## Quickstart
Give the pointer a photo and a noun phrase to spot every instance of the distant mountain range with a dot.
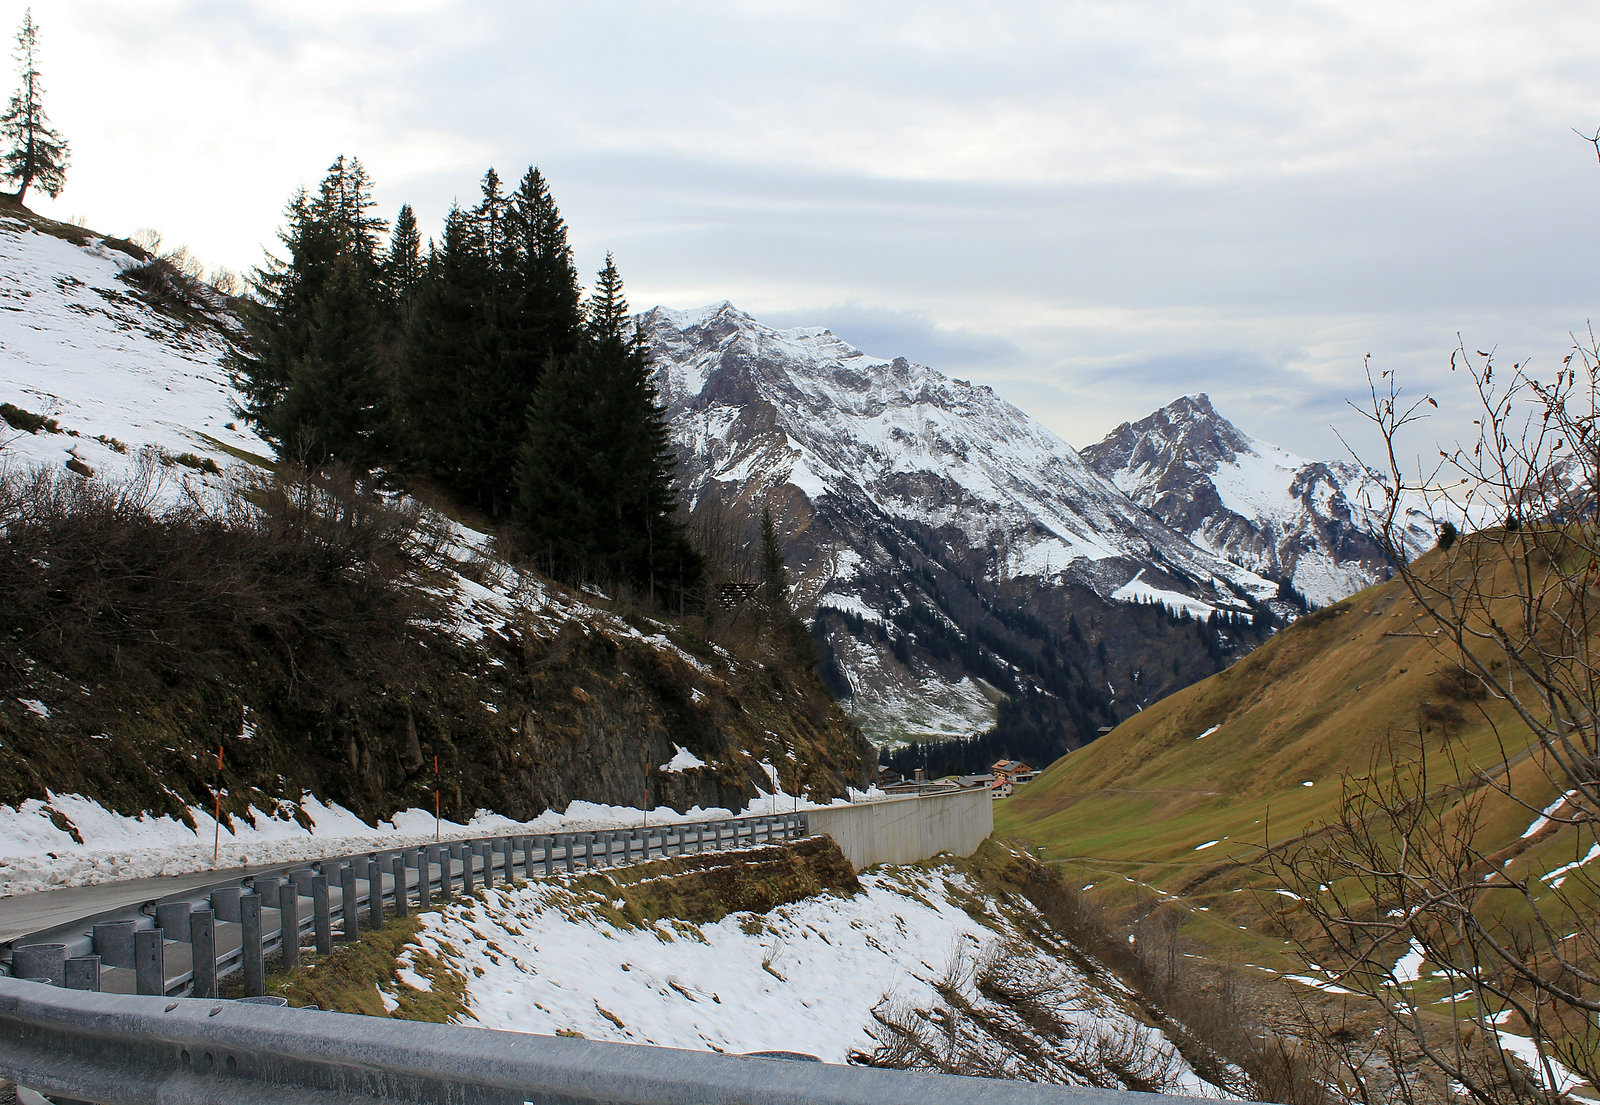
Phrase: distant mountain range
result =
(1305, 521)
(964, 566)
(961, 563)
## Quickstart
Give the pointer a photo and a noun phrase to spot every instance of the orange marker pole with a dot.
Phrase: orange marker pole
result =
(436, 798)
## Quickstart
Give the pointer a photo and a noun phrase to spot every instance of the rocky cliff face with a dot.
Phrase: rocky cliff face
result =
(955, 554)
(1240, 498)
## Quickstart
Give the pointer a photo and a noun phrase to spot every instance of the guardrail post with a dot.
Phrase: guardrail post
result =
(83, 972)
(203, 953)
(40, 961)
(547, 845)
(113, 942)
(508, 854)
(486, 850)
(374, 872)
(321, 914)
(172, 918)
(469, 872)
(289, 922)
(397, 867)
(149, 962)
(225, 902)
(250, 947)
(424, 874)
(349, 909)
(525, 845)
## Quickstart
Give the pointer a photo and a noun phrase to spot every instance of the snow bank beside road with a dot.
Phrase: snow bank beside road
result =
(38, 850)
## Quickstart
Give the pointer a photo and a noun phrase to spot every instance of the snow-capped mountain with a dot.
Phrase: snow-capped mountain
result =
(942, 535)
(1305, 521)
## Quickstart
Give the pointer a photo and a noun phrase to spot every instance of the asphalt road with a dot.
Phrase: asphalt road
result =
(25, 913)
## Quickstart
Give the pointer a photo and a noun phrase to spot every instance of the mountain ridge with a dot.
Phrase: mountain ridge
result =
(1304, 521)
(955, 554)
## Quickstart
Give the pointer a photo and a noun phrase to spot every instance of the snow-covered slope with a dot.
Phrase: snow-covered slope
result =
(1306, 521)
(879, 467)
(79, 344)
(914, 445)
(917, 946)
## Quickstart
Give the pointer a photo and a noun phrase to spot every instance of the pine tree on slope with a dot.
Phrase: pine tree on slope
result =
(31, 153)
(403, 268)
(331, 243)
(595, 495)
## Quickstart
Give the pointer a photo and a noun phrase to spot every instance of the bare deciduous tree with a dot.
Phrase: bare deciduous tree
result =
(1423, 865)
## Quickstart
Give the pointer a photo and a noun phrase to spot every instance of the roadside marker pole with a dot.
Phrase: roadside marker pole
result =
(436, 798)
(216, 817)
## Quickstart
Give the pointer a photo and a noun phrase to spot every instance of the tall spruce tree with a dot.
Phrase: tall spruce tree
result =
(32, 154)
(403, 267)
(447, 347)
(502, 299)
(595, 494)
(774, 574)
(336, 405)
(316, 355)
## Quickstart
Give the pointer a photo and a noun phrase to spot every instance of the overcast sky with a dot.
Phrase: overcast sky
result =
(1092, 207)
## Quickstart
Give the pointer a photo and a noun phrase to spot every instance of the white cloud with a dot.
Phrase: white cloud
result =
(1093, 207)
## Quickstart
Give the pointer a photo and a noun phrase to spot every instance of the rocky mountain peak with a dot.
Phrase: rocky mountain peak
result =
(1252, 502)
(1187, 435)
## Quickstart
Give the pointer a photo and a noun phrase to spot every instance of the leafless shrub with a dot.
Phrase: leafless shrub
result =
(309, 574)
(1418, 857)
(1002, 1013)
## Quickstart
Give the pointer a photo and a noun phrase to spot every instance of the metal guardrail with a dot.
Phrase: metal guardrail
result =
(126, 1050)
(186, 942)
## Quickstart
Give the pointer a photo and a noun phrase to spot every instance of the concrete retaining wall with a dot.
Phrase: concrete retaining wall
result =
(904, 830)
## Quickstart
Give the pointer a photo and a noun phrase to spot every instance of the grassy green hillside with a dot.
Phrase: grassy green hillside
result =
(1257, 753)
(1307, 747)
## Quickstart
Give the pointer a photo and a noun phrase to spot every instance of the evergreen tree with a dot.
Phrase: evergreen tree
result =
(299, 381)
(595, 495)
(345, 206)
(774, 574)
(335, 408)
(31, 153)
(546, 312)
(446, 350)
(403, 267)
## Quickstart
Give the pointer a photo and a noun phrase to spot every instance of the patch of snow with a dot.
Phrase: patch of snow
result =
(682, 760)
(1528, 1051)
(35, 706)
(1136, 590)
(1208, 732)
(1549, 811)
(1559, 872)
(1408, 968)
(804, 976)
